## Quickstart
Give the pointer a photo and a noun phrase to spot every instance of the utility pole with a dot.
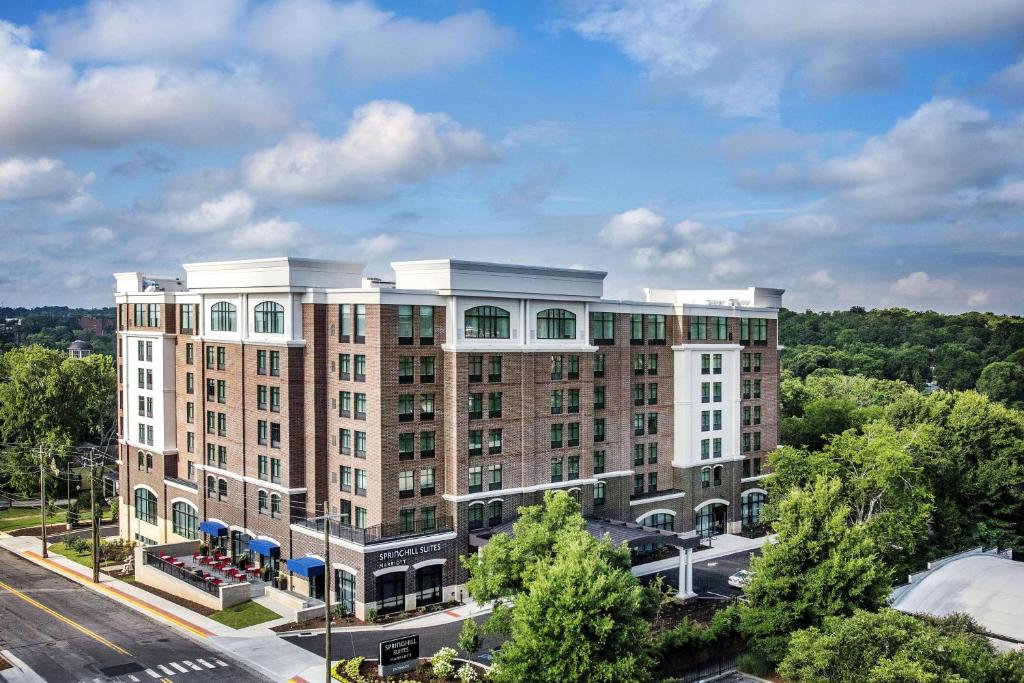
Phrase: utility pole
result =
(327, 590)
(42, 498)
(95, 520)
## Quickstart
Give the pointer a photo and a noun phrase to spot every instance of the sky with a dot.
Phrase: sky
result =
(852, 152)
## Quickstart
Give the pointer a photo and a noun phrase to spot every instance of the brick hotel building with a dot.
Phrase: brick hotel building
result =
(426, 410)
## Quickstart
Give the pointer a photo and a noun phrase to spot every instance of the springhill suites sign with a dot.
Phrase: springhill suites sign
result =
(389, 558)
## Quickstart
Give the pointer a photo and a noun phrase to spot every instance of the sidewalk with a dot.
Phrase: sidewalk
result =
(448, 616)
(256, 646)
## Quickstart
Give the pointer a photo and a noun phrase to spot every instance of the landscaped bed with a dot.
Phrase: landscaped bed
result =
(248, 613)
(439, 669)
(350, 620)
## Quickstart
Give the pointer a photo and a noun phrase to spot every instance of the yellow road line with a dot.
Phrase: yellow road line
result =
(92, 634)
(120, 595)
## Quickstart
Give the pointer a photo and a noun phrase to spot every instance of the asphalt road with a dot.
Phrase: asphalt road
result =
(711, 577)
(67, 633)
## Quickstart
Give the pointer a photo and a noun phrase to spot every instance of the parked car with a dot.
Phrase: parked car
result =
(740, 578)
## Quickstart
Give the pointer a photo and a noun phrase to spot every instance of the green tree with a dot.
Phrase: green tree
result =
(889, 647)
(1003, 381)
(821, 566)
(580, 618)
(469, 636)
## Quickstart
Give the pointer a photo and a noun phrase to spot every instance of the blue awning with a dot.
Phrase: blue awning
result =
(213, 528)
(265, 547)
(306, 566)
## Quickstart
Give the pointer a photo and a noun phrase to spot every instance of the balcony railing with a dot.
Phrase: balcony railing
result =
(182, 482)
(180, 573)
(378, 533)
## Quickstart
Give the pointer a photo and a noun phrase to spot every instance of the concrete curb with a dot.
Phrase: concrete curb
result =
(21, 673)
(397, 625)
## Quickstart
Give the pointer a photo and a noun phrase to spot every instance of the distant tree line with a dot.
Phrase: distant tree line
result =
(53, 327)
(980, 351)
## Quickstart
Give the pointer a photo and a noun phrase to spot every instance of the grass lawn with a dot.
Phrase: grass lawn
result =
(81, 558)
(246, 614)
(19, 518)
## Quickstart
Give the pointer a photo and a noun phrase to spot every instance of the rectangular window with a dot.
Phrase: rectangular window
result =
(638, 454)
(573, 438)
(705, 449)
(428, 518)
(638, 484)
(638, 363)
(744, 330)
(345, 403)
(746, 416)
(746, 362)
(652, 453)
(705, 392)
(476, 406)
(717, 447)
(556, 401)
(574, 401)
(190, 441)
(427, 481)
(345, 439)
(756, 367)
(556, 469)
(346, 478)
(406, 524)
(275, 435)
(757, 415)
(275, 363)
(718, 328)
(757, 388)
(746, 442)
(261, 430)
(705, 421)
(556, 367)
(360, 482)
(717, 422)
(494, 477)
(345, 322)
(222, 358)
(655, 329)
(426, 444)
(652, 393)
(344, 366)
(190, 412)
(493, 368)
(261, 362)
(652, 423)
(360, 406)
(360, 444)
(275, 399)
(638, 424)
(476, 441)
(574, 367)
(361, 518)
(211, 390)
(602, 327)
(556, 436)
(598, 429)
(360, 370)
(476, 479)
(222, 424)
(263, 467)
(360, 330)
(717, 364)
(406, 446)
(494, 404)
(186, 318)
(405, 324)
(652, 482)
(494, 441)
(406, 484)
(405, 373)
(698, 327)
(718, 392)
(426, 325)
(222, 391)
(652, 364)
(222, 457)
(638, 394)
(705, 363)
(426, 369)
(275, 470)
(599, 399)
(746, 388)
(574, 467)
(598, 462)
(759, 331)
(757, 441)
(261, 397)
(190, 383)
(475, 368)
(636, 328)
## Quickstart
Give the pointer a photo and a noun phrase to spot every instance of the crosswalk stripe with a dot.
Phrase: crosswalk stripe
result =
(152, 673)
(220, 662)
(165, 670)
(206, 664)
(179, 667)
(134, 678)
(191, 665)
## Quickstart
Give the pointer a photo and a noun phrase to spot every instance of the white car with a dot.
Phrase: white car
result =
(740, 578)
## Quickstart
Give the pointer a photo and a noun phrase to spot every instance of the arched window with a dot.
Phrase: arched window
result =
(576, 495)
(660, 520)
(718, 475)
(556, 323)
(222, 488)
(599, 493)
(275, 505)
(750, 508)
(494, 513)
(486, 322)
(211, 485)
(269, 318)
(262, 498)
(145, 505)
(705, 477)
(184, 520)
(223, 316)
(476, 516)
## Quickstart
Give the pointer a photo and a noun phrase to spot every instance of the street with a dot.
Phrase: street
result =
(67, 633)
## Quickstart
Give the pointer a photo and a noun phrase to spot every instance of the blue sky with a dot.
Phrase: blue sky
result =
(855, 153)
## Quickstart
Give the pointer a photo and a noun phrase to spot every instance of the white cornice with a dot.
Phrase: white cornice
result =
(262, 483)
(522, 489)
(658, 499)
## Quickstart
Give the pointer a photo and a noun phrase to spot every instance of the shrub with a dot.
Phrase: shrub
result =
(352, 668)
(372, 614)
(752, 663)
(469, 638)
(466, 674)
(77, 544)
(443, 662)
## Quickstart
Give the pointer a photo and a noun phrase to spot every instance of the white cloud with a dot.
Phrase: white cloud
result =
(977, 298)
(820, 279)
(920, 285)
(1010, 82)
(940, 158)
(47, 103)
(101, 235)
(118, 30)
(736, 56)
(378, 245)
(273, 233)
(387, 145)
(634, 226)
(228, 210)
(29, 179)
